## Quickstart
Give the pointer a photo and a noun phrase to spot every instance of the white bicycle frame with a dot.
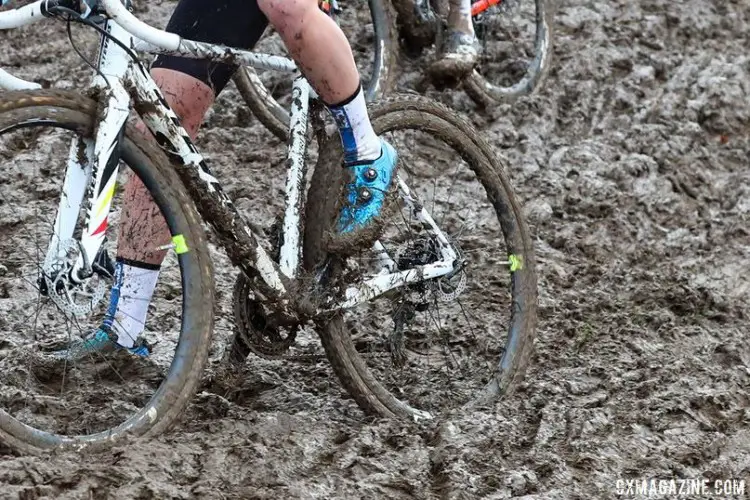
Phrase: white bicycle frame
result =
(123, 81)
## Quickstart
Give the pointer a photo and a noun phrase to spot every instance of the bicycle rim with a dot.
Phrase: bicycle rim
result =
(509, 69)
(48, 402)
(381, 387)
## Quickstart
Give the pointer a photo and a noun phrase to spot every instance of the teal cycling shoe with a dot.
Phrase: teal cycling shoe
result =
(101, 342)
(366, 192)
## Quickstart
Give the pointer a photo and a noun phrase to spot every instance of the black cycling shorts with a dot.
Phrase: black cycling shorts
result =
(235, 23)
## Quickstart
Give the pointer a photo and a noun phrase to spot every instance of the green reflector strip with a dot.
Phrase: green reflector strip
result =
(179, 244)
(516, 262)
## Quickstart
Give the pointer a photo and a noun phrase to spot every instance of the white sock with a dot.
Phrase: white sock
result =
(357, 136)
(131, 294)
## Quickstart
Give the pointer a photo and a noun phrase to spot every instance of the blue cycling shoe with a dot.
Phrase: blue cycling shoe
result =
(101, 342)
(367, 190)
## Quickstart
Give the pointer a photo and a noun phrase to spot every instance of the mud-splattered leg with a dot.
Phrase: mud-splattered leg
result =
(324, 55)
(142, 228)
(317, 44)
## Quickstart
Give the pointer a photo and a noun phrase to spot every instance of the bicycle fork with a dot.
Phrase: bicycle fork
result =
(91, 173)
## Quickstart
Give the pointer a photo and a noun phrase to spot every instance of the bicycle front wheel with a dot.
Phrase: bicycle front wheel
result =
(457, 341)
(371, 33)
(54, 397)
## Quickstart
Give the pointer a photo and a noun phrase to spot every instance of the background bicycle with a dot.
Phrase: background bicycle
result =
(515, 38)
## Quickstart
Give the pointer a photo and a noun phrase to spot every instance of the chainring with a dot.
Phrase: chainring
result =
(252, 334)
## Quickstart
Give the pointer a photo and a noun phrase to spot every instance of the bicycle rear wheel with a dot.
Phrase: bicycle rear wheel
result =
(375, 51)
(47, 401)
(503, 72)
(404, 374)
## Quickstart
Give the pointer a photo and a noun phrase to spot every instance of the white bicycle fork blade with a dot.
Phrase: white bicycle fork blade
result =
(104, 170)
(77, 175)
(113, 63)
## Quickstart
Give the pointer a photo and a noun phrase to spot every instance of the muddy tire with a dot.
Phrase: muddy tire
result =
(412, 112)
(276, 117)
(486, 93)
(71, 111)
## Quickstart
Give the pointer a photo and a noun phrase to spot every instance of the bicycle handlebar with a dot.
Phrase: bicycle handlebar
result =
(22, 16)
(145, 36)
(36, 11)
(120, 14)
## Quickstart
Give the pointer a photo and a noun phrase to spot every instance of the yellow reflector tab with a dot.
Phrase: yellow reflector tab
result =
(179, 244)
(516, 262)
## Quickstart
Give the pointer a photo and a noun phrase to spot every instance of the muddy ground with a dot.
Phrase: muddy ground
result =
(632, 164)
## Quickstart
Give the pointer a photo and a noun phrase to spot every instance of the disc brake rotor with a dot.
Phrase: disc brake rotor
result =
(76, 299)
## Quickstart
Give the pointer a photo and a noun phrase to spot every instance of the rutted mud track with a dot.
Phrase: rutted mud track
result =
(632, 164)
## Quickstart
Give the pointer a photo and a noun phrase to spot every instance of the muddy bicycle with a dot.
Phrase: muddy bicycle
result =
(429, 270)
(509, 67)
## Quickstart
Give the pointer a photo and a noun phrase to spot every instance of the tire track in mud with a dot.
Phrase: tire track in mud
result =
(632, 166)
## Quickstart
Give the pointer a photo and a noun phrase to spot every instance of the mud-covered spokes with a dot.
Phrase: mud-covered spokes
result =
(42, 312)
(437, 341)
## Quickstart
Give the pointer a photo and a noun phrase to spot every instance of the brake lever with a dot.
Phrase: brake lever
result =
(87, 9)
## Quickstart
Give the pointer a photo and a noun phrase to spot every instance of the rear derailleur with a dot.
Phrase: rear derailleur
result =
(420, 296)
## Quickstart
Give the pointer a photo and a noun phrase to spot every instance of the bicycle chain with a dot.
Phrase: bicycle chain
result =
(260, 345)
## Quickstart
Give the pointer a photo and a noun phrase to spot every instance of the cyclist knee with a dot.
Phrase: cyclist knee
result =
(286, 14)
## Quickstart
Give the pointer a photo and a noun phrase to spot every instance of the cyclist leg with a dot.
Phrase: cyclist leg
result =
(324, 55)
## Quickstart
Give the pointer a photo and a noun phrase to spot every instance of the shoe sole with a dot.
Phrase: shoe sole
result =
(347, 244)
